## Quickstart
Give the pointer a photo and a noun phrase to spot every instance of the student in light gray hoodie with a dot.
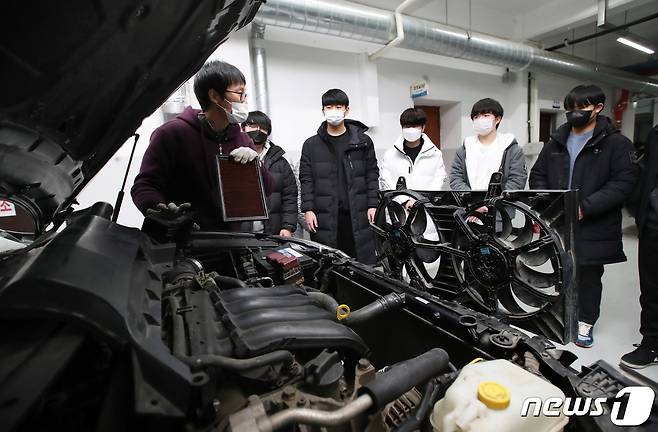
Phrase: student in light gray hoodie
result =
(487, 152)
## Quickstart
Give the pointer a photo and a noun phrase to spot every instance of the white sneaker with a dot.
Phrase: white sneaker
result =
(585, 337)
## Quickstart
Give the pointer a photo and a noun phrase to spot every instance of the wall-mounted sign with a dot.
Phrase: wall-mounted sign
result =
(419, 89)
(557, 104)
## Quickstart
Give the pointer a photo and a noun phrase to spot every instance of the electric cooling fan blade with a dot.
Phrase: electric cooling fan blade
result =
(506, 227)
(391, 238)
(525, 233)
(536, 278)
(516, 228)
(512, 304)
(400, 233)
(396, 214)
(536, 257)
(418, 226)
(418, 218)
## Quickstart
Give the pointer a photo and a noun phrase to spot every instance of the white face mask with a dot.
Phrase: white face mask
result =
(411, 134)
(239, 112)
(483, 125)
(334, 116)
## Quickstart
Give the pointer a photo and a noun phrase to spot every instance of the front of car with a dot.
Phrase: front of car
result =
(103, 327)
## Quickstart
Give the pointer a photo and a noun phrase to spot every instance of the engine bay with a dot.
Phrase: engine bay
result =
(243, 332)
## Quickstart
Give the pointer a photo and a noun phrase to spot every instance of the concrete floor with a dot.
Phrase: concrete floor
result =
(618, 327)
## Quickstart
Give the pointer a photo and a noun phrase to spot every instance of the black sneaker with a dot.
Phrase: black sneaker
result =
(641, 357)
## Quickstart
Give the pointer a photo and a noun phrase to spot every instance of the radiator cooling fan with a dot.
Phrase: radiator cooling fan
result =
(505, 257)
(513, 263)
(408, 240)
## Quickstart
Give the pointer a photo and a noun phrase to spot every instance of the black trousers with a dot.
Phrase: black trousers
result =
(345, 234)
(648, 263)
(589, 292)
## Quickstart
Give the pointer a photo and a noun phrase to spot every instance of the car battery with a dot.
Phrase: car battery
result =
(286, 264)
(265, 268)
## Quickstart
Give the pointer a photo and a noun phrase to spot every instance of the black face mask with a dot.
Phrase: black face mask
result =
(257, 136)
(579, 118)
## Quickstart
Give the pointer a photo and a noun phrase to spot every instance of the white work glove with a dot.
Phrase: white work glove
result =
(244, 154)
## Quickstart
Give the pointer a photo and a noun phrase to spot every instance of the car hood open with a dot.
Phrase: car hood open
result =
(78, 78)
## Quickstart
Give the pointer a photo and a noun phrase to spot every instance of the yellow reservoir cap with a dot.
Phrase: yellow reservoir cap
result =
(493, 395)
(342, 312)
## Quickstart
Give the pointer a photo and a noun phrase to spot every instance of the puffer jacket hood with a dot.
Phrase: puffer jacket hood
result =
(504, 139)
(426, 146)
(354, 127)
(604, 126)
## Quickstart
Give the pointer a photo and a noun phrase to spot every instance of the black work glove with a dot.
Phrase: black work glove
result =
(170, 211)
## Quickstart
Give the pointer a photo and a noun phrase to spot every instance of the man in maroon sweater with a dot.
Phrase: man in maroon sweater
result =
(179, 167)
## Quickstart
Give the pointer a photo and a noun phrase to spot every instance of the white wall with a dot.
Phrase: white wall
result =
(555, 88)
(299, 74)
(455, 92)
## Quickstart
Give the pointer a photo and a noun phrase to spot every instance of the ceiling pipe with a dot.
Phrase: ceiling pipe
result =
(602, 13)
(376, 25)
(258, 59)
(399, 28)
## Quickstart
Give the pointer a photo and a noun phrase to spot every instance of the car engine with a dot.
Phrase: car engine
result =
(105, 327)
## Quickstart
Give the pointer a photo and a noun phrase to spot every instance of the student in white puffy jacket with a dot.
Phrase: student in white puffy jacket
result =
(414, 157)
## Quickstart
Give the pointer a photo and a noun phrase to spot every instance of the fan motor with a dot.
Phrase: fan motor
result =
(488, 264)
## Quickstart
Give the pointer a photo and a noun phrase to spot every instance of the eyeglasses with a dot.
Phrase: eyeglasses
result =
(242, 94)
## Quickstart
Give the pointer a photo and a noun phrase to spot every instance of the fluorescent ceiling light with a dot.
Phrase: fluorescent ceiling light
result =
(635, 45)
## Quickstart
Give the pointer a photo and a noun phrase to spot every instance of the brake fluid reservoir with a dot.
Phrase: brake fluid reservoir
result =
(489, 396)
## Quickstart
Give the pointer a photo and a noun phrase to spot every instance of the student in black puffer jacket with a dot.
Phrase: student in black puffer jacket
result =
(282, 202)
(339, 181)
(589, 154)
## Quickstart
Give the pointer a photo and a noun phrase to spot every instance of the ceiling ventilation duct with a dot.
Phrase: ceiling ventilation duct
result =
(378, 26)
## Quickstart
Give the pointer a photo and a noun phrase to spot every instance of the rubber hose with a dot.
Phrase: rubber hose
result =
(383, 304)
(325, 300)
(400, 378)
(229, 282)
(435, 389)
(241, 365)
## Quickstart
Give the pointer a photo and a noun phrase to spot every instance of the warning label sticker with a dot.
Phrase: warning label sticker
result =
(7, 209)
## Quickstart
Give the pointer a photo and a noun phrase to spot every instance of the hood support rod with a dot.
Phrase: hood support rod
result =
(117, 205)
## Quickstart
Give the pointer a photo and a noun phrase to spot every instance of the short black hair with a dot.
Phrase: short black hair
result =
(584, 95)
(413, 117)
(487, 106)
(216, 75)
(335, 97)
(260, 119)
